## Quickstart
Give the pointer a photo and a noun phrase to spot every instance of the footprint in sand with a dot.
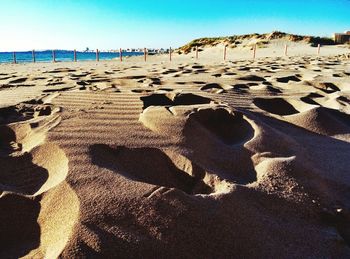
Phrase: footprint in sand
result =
(171, 99)
(155, 167)
(18, 80)
(26, 111)
(19, 229)
(326, 87)
(205, 126)
(61, 70)
(37, 227)
(215, 88)
(254, 78)
(34, 172)
(286, 79)
(6, 76)
(141, 91)
(34, 218)
(278, 106)
(310, 98)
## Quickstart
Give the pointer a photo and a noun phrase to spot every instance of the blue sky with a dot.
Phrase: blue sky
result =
(108, 24)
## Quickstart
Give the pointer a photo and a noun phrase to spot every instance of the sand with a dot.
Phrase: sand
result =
(183, 159)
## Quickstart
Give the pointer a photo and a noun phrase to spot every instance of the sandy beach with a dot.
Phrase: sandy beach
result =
(191, 158)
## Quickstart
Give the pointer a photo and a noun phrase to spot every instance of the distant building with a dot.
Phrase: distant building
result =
(342, 38)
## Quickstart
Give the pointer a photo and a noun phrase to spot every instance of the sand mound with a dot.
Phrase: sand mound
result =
(277, 106)
(37, 227)
(295, 174)
(323, 121)
(54, 161)
(59, 213)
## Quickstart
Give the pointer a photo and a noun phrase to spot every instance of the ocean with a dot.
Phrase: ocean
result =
(61, 55)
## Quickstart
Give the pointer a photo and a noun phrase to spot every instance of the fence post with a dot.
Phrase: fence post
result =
(196, 52)
(286, 50)
(53, 56)
(33, 56)
(14, 58)
(254, 51)
(97, 55)
(170, 58)
(225, 52)
(145, 54)
(318, 49)
(121, 54)
(75, 55)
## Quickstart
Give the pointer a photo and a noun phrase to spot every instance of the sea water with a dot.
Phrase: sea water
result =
(60, 56)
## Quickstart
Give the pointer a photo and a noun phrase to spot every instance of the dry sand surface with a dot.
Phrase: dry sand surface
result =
(189, 159)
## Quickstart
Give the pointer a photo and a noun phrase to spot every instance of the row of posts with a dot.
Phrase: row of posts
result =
(254, 51)
(75, 55)
(145, 53)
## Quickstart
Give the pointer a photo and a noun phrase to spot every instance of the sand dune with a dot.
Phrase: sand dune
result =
(245, 158)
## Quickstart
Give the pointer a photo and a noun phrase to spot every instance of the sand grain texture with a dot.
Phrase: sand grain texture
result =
(243, 159)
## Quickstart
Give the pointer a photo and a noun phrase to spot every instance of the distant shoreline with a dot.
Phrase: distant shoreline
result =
(60, 56)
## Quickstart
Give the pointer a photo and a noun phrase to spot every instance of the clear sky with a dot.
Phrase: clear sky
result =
(110, 24)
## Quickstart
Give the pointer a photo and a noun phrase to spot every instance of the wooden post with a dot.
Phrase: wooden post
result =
(14, 58)
(33, 56)
(286, 50)
(254, 51)
(170, 54)
(196, 52)
(97, 55)
(145, 54)
(53, 56)
(75, 55)
(121, 54)
(318, 49)
(225, 50)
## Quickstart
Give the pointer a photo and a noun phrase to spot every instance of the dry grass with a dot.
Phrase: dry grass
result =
(262, 40)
